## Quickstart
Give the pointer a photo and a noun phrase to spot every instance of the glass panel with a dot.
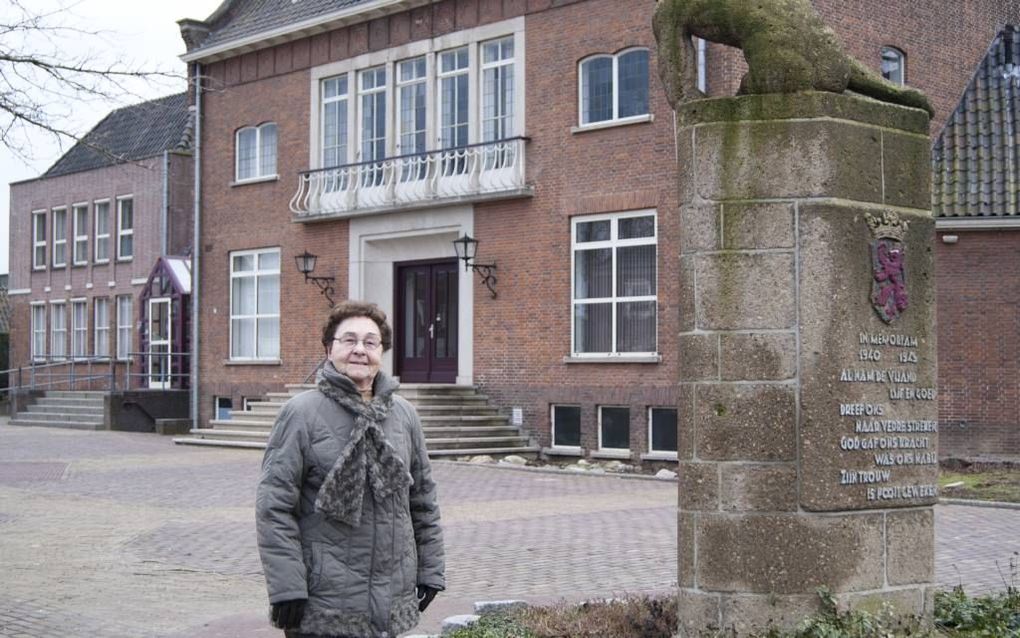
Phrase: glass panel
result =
(636, 227)
(269, 261)
(243, 298)
(267, 150)
(246, 153)
(242, 338)
(593, 231)
(59, 225)
(126, 246)
(441, 320)
(269, 338)
(421, 318)
(892, 65)
(615, 424)
(633, 69)
(635, 327)
(127, 215)
(334, 144)
(597, 90)
(593, 327)
(567, 425)
(593, 276)
(409, 320)
(635, 271)
(269, 295)
(663, 429)
(223, 408)
(497, 103)
(454, 107)
(243, 263)
(453, 60)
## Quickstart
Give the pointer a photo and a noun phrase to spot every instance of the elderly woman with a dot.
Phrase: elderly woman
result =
(346, 513)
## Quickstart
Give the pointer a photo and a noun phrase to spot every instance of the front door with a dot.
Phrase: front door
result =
(159, 343)
(426, 324)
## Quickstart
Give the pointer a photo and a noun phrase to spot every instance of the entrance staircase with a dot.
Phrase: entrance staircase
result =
(64, 409)
(456, 419)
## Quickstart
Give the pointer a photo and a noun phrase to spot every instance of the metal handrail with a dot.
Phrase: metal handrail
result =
(433, 151)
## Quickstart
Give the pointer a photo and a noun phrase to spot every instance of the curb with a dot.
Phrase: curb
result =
(969, 502)
(549, 470)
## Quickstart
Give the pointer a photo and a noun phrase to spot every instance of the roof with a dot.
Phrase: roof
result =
(976, 160)
(130, 133)
(180, 269)
(239, 19)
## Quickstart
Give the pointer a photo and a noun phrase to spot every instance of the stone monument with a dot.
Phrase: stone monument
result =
(808, 422)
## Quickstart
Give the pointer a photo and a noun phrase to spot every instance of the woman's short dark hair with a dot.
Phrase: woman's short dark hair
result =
(349, 309)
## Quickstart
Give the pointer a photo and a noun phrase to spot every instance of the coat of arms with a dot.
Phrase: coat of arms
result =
(888, 254)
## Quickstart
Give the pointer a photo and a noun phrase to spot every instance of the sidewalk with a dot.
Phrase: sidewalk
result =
(125, 535)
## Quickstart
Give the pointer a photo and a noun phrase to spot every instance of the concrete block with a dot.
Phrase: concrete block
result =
(758, 356)
(751, 487)
(745, 423)
(699, 357)
(698, 486)
(745, 291)
(910, 547)
(757, 226)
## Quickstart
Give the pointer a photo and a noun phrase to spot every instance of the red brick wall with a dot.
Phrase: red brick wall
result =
(978, 284)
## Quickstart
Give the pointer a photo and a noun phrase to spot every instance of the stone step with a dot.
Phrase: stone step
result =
(528, 452)
(83, 402)
(70, 425)
(76, 394)
(439, 432)
(251, 415)
(475, 399)
(473, 442)
(63, 408)
(454, 409)
(464, 419)
(254, 445)
(232, 435)
(60, 416)
(236, 424)
(412, 391)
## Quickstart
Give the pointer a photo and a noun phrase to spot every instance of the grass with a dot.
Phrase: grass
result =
(980, 481)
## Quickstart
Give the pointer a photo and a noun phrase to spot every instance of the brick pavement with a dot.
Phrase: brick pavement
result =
(120, 534)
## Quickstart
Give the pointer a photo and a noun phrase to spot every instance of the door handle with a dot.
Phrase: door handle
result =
(432, 330)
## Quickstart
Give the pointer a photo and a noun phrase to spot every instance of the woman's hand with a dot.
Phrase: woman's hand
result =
(287, 614)
(425, 596)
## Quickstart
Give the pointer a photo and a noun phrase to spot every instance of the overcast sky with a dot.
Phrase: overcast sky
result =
(141, 34)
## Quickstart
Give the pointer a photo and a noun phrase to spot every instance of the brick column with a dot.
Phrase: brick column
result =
(807, 421)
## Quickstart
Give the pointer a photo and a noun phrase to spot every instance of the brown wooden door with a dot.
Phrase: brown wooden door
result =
(426, 322)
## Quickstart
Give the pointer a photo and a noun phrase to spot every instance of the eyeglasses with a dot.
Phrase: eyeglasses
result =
(349, 342)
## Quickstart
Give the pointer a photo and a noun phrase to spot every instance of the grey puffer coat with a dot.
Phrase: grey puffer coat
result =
(359, 580)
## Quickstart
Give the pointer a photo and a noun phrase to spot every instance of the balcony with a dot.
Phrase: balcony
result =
(473, 173)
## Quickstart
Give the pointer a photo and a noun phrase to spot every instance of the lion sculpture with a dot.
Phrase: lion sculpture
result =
(787, 47)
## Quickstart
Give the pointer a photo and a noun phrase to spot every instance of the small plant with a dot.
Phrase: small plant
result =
(991, 616)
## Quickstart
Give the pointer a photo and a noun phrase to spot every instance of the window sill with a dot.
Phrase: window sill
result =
(562, 451)
(598, 126)
(615, 358)
(252, 362)
(659, 456)
(611, 454)
(125, 260)
(255, 180)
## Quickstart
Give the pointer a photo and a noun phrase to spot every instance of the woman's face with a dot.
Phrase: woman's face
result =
(356, 350)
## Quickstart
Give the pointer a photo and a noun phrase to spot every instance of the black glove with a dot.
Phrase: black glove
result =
(287, 614)
(425, 596)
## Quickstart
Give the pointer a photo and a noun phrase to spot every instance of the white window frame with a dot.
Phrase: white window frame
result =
(552, 428)
(125, 331)
(599, 409)
(80, 248)
(257, 175)
(491, 66)
(216, 407)
(615, 119)
(58, 309)
(62, 242)
(256, 273)
(79, 331)
(345, 132)
(38, 239)
(125, 232)
(38, 342)
(652, 450)
(410, 85)
(901, 58)
(101, 327)
(616, 299)
(98, 237)
(432, 48)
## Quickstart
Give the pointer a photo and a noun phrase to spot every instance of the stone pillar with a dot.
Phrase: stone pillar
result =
(807, 359)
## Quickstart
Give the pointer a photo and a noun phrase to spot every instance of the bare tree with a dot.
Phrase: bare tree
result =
(42, 80)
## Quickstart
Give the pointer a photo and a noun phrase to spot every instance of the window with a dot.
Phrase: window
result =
(454, 70)
(334, 121)
(80, 251)
(101, 245)
(38, 332)
(566, 426)
(101, 327)
(412, 121)
(222, 406)
(39, 240)
(125, 229)
(79, 328)
(59, 237)
(255, 304)
(894, 65)
(497, 89)
(124, 314)
(614, 87)
(256, 152)
(614, 284)
(614, 428)
(58, 330)
(662, 430)
(372, 84)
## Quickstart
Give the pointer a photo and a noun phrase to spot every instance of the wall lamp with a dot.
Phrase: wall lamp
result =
(466, 247)
(305, 265)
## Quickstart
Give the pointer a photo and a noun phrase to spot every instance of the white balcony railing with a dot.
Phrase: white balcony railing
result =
(475, 171)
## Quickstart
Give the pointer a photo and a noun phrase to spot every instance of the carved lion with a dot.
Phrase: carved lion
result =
(787, 47)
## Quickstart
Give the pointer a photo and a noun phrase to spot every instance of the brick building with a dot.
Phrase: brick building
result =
(374, 133)
(86, 234)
